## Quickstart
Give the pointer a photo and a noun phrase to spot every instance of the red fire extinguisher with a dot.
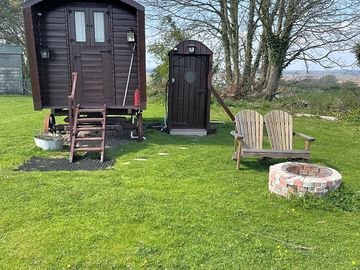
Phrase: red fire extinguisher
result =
(137, 98)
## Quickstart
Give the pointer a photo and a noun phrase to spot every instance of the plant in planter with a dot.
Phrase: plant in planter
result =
(49, 141)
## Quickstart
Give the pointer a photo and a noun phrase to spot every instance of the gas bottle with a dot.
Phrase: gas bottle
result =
(137, 98)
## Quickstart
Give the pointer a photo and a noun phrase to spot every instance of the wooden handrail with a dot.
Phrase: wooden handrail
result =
(74, 77)
(72, 102)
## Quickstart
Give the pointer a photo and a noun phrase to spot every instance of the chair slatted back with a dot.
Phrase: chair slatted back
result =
(279, 126)
(250, 124)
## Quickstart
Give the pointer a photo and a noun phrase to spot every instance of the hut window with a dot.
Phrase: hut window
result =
(80, 28)
(99, 26)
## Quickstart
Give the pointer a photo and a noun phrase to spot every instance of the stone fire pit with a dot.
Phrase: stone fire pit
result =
(292, 178)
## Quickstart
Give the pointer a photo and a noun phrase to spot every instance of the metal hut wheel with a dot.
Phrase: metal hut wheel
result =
(49, 123)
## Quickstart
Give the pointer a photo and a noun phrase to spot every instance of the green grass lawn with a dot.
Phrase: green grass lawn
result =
(188, 210)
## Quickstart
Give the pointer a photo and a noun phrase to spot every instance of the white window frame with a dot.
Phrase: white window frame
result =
(80, 26)
(99, 26)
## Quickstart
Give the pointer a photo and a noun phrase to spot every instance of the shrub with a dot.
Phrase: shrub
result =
(342, 199)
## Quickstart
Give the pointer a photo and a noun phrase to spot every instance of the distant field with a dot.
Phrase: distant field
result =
(342, 76)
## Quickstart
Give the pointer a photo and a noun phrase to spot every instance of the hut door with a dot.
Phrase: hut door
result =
(189, 91)
(91, 54)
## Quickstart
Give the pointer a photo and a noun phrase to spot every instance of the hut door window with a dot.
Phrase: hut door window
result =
(99, 27)
(80, 26)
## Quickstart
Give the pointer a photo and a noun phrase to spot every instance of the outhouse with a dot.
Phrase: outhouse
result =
(189, 89)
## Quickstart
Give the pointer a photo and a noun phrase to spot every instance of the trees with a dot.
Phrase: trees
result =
(307, 30)
(11, 23)
(208, 21)
(357, 53)
(258, 39)
(12, 26)
(170, 36)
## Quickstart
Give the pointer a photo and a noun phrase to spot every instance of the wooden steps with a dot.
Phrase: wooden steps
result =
(90, 129)
(88, 139)
(83, 122)
(88, 149)
(90, 120)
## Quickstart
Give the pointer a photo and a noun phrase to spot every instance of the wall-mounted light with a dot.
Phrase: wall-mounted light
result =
(191, 48)
(45, 53)
(131, 36)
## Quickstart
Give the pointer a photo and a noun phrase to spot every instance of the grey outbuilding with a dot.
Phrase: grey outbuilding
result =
(11, 69)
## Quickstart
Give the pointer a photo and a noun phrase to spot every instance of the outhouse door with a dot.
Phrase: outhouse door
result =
(91, 54)
(189, 91)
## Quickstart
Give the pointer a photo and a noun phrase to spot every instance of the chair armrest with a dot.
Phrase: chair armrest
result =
(236, 135)
(306, 137)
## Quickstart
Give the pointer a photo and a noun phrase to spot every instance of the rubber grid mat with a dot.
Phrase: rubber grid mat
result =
(40, 164)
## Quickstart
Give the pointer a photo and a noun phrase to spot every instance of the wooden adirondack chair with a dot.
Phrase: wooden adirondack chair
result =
(248, 135)
(279, 126)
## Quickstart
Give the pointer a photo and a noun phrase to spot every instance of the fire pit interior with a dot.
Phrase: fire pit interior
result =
(291, 178)
(308, 170)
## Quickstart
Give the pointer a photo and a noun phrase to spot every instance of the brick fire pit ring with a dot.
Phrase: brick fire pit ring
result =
(293, 178)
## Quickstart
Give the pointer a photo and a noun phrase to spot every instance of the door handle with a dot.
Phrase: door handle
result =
(200, 92)
(108, 51)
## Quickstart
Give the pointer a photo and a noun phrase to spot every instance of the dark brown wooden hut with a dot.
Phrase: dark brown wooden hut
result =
(103, 41)
(190, 75)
